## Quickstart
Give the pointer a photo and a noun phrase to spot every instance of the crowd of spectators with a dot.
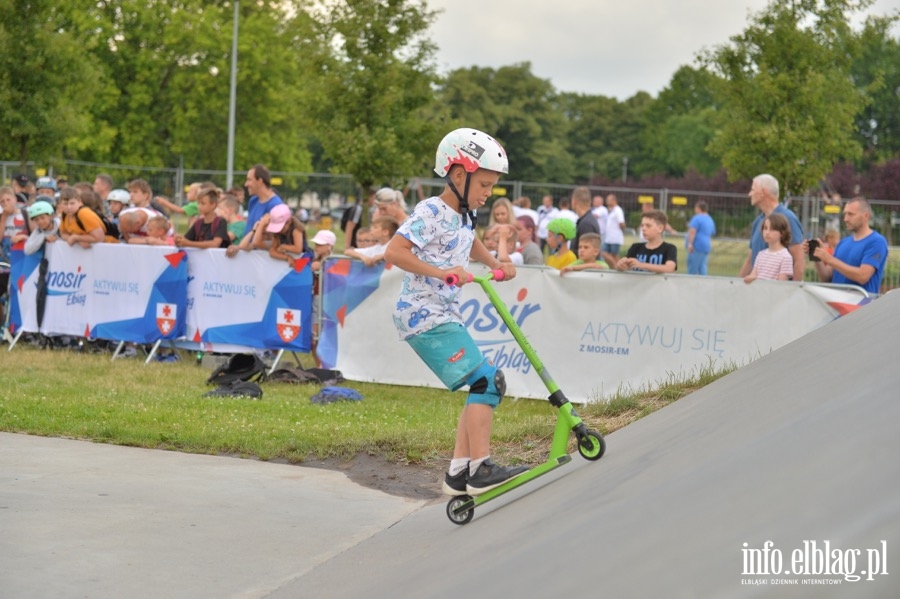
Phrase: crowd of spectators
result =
(579, 232)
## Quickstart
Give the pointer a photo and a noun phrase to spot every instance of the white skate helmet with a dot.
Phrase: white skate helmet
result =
(119, 195)
(472, 149)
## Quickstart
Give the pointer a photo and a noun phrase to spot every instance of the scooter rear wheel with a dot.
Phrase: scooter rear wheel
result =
(591, 445)
(460, 517)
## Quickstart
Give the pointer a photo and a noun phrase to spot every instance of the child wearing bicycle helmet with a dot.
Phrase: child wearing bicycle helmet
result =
(45, 226)
(559, 232)
(438, 240)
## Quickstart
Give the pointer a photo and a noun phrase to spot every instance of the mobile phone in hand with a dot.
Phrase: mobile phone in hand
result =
(813, 244)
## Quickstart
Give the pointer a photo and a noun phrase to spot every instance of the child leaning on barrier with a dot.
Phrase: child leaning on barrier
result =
(157, 233)
(80, 224)
(437, 241)
(589, 245)
(526, 234)
(559, 232)
(654, 254)
(774, 263)
(364, 238)
(229, 208)
(282, 232)
(46, 227)
(13, 218)
(505, 238)
(382, 230)
(209, 231)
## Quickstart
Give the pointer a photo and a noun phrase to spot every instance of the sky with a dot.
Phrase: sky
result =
(596, 47)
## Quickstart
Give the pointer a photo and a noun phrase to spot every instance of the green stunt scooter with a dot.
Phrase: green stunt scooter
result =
(591, 445)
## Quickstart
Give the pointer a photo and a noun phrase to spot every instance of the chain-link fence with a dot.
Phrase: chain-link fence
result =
(320, 191)
(326, 194)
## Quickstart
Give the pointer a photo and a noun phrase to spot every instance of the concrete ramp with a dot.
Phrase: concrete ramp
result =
(791, 462)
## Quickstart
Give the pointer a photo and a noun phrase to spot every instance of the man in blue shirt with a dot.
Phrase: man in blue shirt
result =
(698, 240)
(764, 196)
(262, 199)
(860, 257)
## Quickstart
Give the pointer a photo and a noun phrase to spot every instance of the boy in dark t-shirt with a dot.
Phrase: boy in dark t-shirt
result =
(653, 255)
(209, 230)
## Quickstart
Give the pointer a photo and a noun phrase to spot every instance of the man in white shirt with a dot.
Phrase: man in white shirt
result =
(615, 227)
(600, 213)
(546, 212)
(522, 207)
(565, 210)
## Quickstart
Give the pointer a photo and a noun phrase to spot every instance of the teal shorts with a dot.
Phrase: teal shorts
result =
(450, 352)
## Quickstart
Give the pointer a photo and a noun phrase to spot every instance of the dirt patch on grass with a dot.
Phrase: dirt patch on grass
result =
(415, 481)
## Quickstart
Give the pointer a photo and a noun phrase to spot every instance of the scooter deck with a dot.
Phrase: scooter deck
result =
(472, 501)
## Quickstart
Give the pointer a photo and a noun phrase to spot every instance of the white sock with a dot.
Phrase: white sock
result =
(457, 465)
(474, 464)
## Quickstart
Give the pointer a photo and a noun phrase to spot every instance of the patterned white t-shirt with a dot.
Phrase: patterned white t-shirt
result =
(440, 239)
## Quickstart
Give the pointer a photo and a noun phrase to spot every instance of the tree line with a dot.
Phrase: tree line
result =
(351, 86)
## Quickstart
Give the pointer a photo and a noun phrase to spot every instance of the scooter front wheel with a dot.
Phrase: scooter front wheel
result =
(591, 445)
(456, 516)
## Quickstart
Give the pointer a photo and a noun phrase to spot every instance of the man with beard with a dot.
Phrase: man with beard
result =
(860, 257)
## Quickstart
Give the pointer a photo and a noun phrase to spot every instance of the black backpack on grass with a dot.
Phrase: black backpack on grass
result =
(237, 389)
(239, 367)
(300, 375)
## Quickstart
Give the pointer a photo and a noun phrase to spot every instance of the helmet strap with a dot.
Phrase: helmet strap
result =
(468, 215)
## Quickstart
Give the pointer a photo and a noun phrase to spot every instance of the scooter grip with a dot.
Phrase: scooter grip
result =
(498, 274)
(454, 279)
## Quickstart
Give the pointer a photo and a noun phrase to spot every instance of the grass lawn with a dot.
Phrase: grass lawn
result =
(66, 393)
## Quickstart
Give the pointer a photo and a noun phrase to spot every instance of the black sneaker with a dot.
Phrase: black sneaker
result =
(489, 476)
(456, 485)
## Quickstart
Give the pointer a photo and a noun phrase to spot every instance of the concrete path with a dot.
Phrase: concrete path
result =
(80, 519)
(787, 464)
(800, 448)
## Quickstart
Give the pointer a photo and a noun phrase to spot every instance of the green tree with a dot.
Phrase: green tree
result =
(591, 123)
(680, 144)
(605, 135)
(170, 62)
(787, 100)
(680, 125)
(47, 80)
(520, 110)
(373, 86)
(877, 69)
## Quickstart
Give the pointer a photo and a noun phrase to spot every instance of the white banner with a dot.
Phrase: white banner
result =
(247, 301)
(596, 332)
(199, 298)
(107, 291)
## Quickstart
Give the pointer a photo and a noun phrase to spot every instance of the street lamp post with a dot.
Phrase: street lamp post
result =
(232, 101)
(624, 169)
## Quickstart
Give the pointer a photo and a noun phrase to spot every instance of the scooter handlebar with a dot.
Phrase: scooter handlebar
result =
(497, 275)
(454, 279)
